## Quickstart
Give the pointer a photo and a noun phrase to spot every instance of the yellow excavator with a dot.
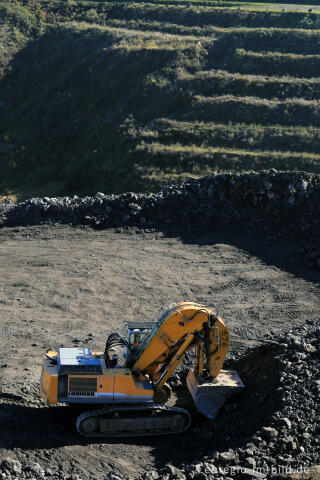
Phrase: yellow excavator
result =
(128, 400)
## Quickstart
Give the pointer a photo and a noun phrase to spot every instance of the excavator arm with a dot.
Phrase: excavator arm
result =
(182, 327)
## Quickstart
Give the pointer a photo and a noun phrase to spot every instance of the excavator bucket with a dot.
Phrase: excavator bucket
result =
(210, 394)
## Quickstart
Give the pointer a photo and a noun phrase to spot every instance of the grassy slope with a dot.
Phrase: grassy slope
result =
(117, 96)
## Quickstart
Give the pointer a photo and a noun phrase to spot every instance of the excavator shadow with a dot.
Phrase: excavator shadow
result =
(33, 427)
(48, 428)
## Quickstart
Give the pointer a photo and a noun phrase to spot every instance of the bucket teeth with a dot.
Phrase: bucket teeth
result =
(210, 395)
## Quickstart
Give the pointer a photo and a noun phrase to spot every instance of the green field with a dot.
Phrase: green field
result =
(113, 96)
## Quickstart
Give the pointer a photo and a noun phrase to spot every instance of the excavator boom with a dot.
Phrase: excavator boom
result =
(182, 327)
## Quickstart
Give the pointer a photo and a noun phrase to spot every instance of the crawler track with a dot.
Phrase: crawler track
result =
(133, 421)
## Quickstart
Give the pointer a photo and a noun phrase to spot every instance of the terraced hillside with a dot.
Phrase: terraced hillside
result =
(130, 95)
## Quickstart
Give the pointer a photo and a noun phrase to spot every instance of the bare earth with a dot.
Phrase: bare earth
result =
(60, 284)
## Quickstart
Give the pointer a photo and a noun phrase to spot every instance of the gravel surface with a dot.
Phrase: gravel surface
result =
(64, 285)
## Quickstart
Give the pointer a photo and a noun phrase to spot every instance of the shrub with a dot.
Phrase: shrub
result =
(91, 16)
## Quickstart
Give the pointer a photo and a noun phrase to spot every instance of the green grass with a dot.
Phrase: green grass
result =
(239, 3)
(273, 63)
(296, 111)
(233, 135)
(221, 82)
(188, 15)
(282, 40)
(182, 158)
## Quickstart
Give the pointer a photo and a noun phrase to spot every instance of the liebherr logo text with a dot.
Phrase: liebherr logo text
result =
(81, 394)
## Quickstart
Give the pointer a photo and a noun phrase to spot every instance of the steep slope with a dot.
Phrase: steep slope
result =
(127, 96)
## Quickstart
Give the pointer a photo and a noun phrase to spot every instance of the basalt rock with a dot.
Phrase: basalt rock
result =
(267, 201)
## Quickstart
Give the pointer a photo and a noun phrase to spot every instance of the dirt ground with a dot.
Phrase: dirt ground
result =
(61, 284)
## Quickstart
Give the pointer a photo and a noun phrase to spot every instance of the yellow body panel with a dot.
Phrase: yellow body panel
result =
(106, 381)
(49, 381)
(125, 386)
(115, 385)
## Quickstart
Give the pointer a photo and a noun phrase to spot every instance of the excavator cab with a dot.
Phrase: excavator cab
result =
(137, 331)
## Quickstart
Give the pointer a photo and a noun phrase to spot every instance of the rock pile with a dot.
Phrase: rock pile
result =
(282, 397)
(267, 201)
(13, 469)
(283, 387)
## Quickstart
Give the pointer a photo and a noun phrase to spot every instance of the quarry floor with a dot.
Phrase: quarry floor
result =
(60, 284)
